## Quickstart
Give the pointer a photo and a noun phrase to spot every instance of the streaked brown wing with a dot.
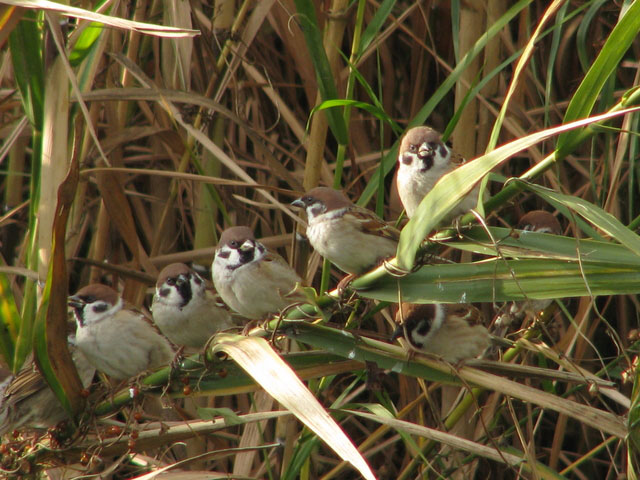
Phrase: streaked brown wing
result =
(457, 159)
(27, 382)
(372, 224)
(469, 313)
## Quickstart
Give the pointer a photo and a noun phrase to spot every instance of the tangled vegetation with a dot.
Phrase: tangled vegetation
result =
(135, 132)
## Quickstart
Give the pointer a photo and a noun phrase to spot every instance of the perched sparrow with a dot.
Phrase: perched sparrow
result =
(27, 400)
(251, 280)
(115, 338)
(540, 221)
(451, 331)
(351, 237)
(423, 159)
(184, 310)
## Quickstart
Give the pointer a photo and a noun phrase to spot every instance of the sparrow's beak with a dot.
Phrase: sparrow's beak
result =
(397, 333)
(298, 203)
(75, 302)
(425, 150)
(247, 246)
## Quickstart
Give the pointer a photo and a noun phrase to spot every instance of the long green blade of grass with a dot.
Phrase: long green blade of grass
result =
(607, 62)
(501, 281)
(326, 85)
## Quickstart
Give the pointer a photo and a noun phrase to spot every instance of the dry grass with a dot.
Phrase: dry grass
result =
(199, 133)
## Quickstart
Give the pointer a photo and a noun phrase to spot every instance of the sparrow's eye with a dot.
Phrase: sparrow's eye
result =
(100, 307)
(234, 244)
(88, 298)
(413, 147)
(307, 200)
(171, 281)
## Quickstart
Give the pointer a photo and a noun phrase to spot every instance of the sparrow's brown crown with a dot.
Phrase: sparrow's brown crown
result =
(96, 291)
(540, 221)
(417, 136)
(235, 236)
(330, 198)
(172, 271)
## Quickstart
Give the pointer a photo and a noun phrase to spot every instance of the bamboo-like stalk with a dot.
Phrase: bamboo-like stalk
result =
(55, 157)
(472, 18)
(334, 32)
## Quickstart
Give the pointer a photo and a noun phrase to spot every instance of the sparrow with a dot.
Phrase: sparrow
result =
(115, 338)
(183, 308)
(423, 159)
(28, 402)
(353, 238)
(254, 282)
(538, 221)
(453, 332)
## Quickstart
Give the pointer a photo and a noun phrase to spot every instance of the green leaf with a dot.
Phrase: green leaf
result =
(634, 419)
(590, 212)
(505, 280)
(230, 417)
(303, 450)
(372, 109)
(526, 244)
(376, 23)
(9, 322)
(607, 62)
(50, 329)
(85, 43)
(225, 377)
(345, 344)
(26, 44)
(324, 75)
(87, 39)
(41, 348)
(585, 28)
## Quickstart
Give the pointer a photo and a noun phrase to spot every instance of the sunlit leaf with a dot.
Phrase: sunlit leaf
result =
(276, 377)
(146, 28)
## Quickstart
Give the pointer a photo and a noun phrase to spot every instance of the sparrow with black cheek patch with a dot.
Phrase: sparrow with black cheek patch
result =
(453, 332)
(116, 339)
(423, 159)
(538, 221)
(183, 308)
(353, 238)
(254, 282)
(28, 402)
